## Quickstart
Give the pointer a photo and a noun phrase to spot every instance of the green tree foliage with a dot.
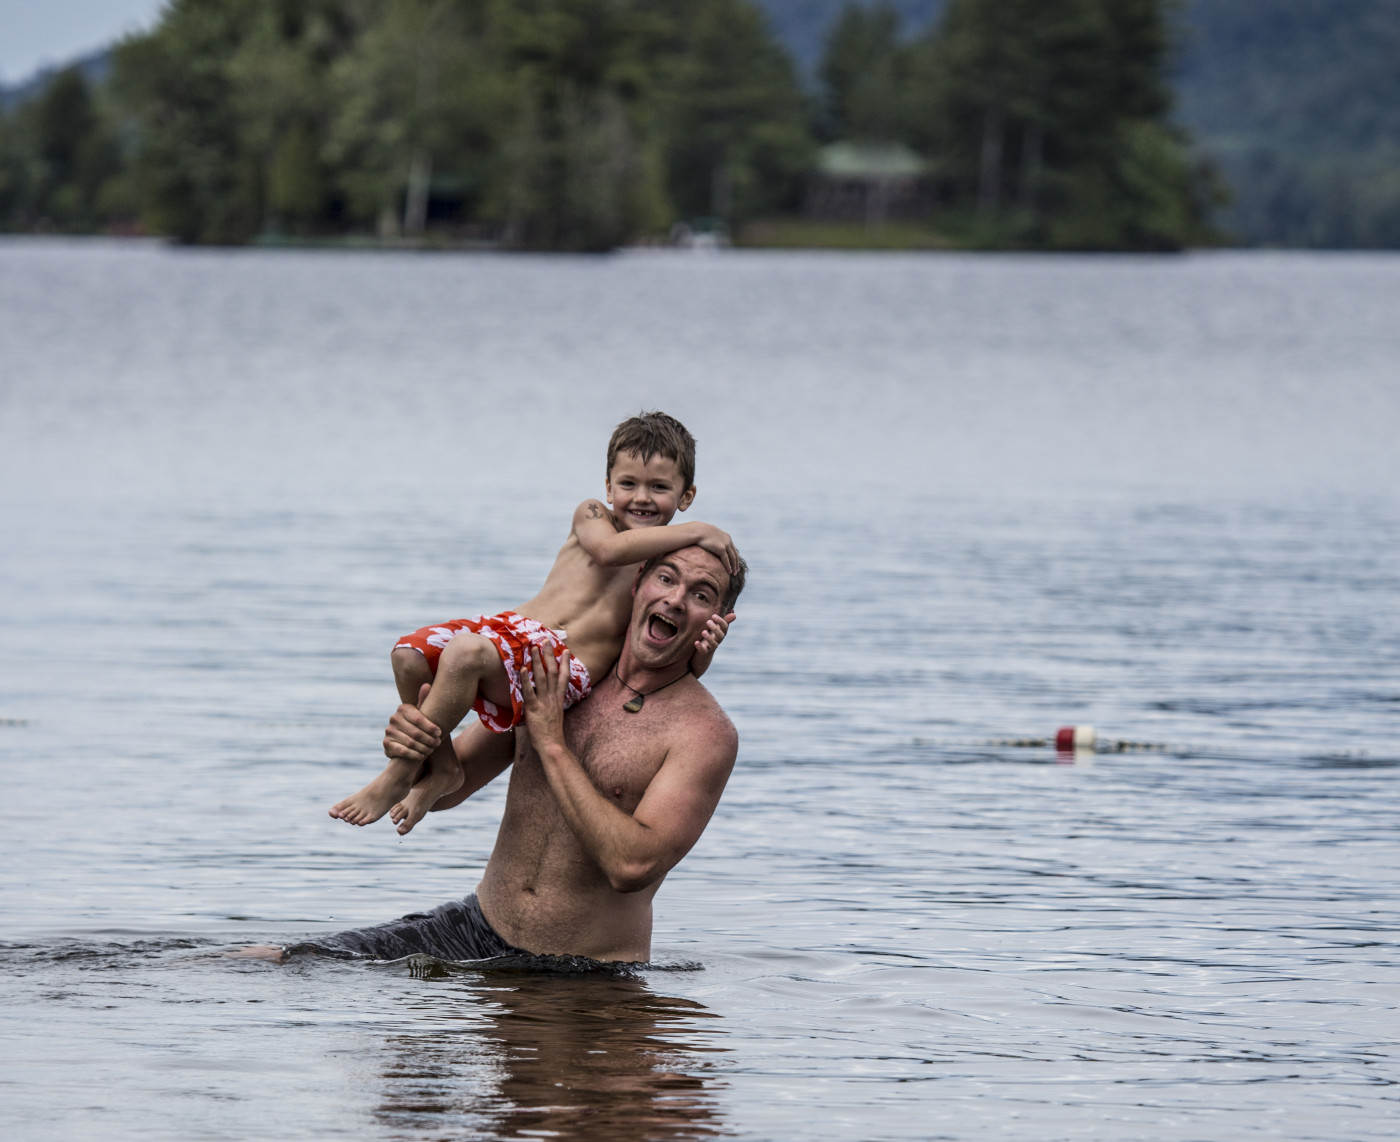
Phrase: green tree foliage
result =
(1296, 101)
(559, 124)
(804, 26)
(59, 159)
(862, 75)
(1049, 118)
(578, 167)
(731, 115)
(420, 99)
(196, 178)
(580, 124)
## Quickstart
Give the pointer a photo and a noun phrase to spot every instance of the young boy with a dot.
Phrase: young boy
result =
(650, 476)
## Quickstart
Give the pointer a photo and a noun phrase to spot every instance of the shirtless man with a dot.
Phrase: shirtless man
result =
(602, 802)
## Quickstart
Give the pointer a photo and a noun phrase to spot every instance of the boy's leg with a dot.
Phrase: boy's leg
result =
(483, 755)
(470, 665)
(411, 673)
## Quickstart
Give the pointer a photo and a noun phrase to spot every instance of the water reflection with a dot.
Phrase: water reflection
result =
(569, 1056)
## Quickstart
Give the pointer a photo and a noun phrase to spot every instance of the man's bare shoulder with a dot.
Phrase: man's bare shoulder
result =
(701, 715)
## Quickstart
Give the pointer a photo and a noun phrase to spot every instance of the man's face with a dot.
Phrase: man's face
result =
(671, 605)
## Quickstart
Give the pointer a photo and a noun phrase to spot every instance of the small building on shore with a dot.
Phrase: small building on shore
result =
(869, 182)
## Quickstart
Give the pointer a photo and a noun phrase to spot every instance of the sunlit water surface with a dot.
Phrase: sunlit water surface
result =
(981, 497)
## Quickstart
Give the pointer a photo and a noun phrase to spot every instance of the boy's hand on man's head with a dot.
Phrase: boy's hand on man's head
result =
(719, 544)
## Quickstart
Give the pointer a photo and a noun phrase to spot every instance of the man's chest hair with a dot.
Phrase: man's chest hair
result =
(617, 750)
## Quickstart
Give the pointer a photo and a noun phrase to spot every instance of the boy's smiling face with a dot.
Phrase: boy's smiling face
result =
(646, 493)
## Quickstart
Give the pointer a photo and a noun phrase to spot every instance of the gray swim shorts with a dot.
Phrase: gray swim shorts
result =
(456, 930)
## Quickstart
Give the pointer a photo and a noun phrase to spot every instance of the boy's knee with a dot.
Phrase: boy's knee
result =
(408, 663)
(468, 653)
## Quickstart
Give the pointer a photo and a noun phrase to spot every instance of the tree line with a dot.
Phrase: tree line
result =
(584, 124)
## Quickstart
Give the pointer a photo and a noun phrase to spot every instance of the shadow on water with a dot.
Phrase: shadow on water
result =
(515, 1048)
(562, 1054)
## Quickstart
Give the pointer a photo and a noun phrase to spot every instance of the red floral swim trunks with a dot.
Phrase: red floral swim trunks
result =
(513, 635)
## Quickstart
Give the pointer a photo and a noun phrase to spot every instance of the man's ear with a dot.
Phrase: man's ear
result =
(637, 582)
(687, 498)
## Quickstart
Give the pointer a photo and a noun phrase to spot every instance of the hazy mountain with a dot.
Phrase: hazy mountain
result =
(1299, 103)
(94, 65)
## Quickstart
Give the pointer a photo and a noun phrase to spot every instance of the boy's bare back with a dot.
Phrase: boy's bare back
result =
(589, 599)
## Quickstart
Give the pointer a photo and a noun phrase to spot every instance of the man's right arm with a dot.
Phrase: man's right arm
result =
(483, 755)
(599, 537)
(633, 850)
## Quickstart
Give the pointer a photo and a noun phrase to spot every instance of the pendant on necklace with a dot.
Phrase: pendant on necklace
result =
(634, 705)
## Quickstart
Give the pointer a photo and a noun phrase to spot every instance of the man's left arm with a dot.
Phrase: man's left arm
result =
(634, 851)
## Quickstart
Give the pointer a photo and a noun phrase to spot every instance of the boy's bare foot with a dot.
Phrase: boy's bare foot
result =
(439, 781)
(374, 800)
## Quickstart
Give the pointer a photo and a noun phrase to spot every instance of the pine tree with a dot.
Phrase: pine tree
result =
(1050, 119)
(862, 75)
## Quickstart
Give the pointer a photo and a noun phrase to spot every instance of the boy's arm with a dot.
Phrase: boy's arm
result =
(599, 537)
(708, 642)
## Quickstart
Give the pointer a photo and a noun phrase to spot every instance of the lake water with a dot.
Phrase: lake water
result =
(982, 497)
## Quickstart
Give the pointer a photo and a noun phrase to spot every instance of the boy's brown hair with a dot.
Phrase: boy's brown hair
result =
(655, 434)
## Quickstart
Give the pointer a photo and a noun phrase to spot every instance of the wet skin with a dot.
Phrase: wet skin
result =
(585, 593)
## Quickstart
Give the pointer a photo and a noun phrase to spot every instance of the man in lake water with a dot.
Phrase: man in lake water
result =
(603, 801)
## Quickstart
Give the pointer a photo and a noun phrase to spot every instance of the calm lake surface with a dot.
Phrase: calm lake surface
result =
(982, 497)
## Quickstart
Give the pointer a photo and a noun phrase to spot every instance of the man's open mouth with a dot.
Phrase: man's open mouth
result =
(660, 629)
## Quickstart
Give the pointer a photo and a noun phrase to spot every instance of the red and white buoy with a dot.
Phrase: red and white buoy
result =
(1074, 739)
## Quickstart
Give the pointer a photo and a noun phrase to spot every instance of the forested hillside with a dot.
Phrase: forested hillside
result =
(585, 124)
(580, 124)
(553, 124)
(1296, 101)
(803, 25)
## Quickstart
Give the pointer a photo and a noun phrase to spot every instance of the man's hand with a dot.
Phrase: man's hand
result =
(719, 544)
(544, 688)
(409, 735)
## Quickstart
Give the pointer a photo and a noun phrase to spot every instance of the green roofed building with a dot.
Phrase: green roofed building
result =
(870, 182)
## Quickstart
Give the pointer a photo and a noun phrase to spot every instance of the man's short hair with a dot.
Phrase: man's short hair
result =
(730, 596)
(655, 434)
